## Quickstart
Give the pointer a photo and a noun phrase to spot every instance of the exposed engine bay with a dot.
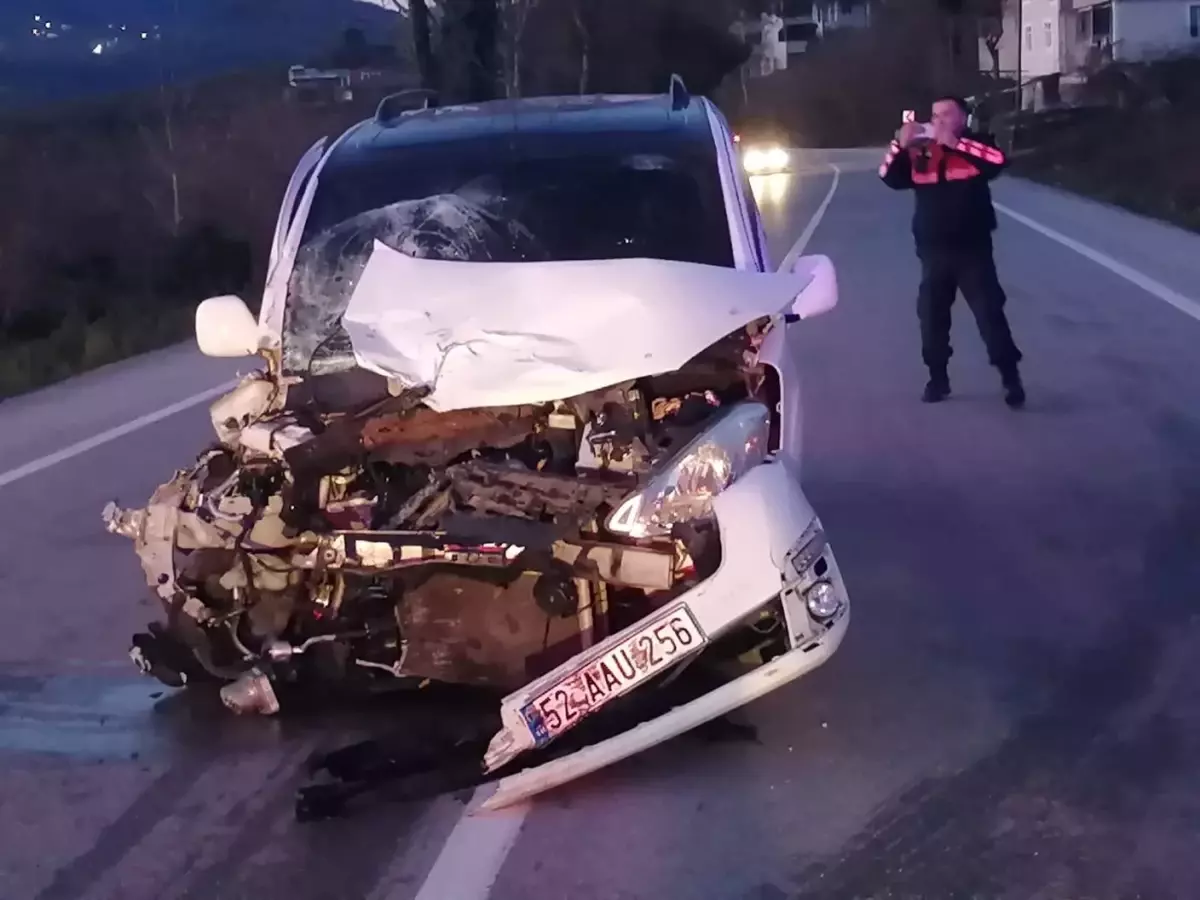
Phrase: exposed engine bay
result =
(346, 535)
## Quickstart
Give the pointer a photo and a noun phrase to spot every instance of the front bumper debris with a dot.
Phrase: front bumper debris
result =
(370, 547)
(772, 547)
(725, 699)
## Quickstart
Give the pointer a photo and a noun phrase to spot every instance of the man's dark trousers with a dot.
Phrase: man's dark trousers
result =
(971, 268)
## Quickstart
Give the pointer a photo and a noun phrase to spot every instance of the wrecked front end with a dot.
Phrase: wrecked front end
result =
(563, 515)
(401, 543)
(556, 551)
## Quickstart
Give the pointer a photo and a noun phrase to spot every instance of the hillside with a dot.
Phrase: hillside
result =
(114, 227)
(52, 50)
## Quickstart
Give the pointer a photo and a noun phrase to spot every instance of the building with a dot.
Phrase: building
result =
(799, 24)
(1069, 36)
(806, 21)
(1130, 30)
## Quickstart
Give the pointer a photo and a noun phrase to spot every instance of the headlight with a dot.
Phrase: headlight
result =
(755, 160)
(765, 159)
(822, 600)
(683, 488)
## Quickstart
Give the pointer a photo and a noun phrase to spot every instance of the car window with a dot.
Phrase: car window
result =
(519, 198)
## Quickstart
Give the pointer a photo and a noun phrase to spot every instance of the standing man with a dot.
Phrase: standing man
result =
(953, 224)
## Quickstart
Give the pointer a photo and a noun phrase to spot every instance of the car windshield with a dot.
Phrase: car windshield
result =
(510, 198)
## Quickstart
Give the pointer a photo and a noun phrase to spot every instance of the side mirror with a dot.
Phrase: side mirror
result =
(820, 294)
(226, 328)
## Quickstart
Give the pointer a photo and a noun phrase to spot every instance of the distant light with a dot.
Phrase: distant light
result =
(145, 35)
(37, 18)
(98, 49)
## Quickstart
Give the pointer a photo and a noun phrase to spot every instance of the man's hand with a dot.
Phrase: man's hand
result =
(907, 133)
(944, 134)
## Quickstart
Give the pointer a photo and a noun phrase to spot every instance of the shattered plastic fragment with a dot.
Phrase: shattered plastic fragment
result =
(128, 523)
(252, 693)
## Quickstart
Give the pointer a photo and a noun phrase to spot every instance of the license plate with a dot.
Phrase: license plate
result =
(644, 654)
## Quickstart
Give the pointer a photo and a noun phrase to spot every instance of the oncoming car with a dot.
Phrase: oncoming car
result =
(765, 159)
(763, 152)
(529, 421)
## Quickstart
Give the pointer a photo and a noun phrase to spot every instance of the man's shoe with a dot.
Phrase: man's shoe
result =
(936, 390)
(1014, 390)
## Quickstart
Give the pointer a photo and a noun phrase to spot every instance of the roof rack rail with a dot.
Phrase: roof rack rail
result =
(394, 105)
(680, 98)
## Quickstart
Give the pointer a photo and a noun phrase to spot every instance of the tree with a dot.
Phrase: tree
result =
(482, 24)
(992, 36)
(581, 12)
(465, 65)
(468, 61)
(695, 46)
(354, 52)
(423, 43)
(421, 20)
(164, 156)
(516, 19)
(988, 16)
(955, 25)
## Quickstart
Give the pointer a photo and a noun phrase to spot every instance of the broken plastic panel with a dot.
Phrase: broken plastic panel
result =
(546, 330)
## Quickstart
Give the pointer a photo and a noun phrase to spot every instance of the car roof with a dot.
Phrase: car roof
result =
(588, 114)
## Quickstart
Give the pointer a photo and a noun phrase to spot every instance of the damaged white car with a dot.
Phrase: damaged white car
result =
(529, 420)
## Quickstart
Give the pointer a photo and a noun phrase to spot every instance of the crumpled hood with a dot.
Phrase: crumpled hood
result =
(503, 334)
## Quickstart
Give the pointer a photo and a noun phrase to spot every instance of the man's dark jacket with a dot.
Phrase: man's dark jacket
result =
(953, 200)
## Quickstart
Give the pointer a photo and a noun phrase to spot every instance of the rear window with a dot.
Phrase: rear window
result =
(511, 198)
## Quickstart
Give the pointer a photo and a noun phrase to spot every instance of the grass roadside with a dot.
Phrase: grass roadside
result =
(122, 213)
(78, 346)
(1132, 147)
(1079, 180)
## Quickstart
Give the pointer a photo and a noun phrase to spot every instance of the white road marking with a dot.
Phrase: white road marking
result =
(1185, 305)
(112, 434)
(472, 856)
(806, 235)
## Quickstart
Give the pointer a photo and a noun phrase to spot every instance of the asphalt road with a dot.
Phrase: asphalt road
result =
(1015, 713)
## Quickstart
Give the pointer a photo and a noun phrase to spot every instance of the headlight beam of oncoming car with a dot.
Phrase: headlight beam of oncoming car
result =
(762, 160)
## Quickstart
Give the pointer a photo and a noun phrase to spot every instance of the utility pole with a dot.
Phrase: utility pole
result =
(1020, 48)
